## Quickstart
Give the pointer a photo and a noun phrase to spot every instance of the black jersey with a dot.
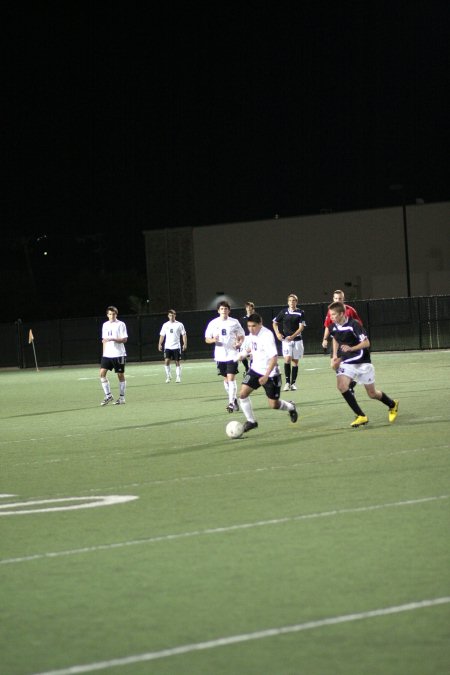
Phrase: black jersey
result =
(243, 321)
(288, 322)
(350, 333)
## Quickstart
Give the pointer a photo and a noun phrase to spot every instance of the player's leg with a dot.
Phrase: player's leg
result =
(287, 355)
(178, 366)
(245, 402)
(105, 383)
(391, 403)
(343, 384)
(167, 367)
(272, 389)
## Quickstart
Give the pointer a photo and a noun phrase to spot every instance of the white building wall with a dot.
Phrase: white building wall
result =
(362, 252)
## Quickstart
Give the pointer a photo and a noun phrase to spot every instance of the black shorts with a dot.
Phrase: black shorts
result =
(225, 368)
(272, 386)
(174, 354)
(116, 363)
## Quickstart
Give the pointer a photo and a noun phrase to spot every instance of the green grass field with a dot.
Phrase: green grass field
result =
(310, 549)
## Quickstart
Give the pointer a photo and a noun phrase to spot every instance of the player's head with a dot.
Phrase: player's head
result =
(111, 312)
(292, 299)
(225, 304)
(254, 323)
(171, 313)
(249, 306)
(338, 296)
(337, 311)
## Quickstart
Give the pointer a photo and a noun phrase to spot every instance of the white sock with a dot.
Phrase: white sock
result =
(232, 390)
(105, 385)
(285, 405)
(167, 369)
(225, 384)
(122, 387)
(247, 409)
(178, 371)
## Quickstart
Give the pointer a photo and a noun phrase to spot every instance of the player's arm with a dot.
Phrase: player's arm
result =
(326, 332)
(298, 332)
(184, 341)
(160, 342)
(240, 337)
(363, 344)
(276, 329)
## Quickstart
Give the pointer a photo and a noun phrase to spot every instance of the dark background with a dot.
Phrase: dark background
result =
(124, 118)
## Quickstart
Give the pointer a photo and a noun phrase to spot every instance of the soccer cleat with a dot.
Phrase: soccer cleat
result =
(230, 408)
(236, 405)
(168, 379)
(178, 379)
(293, 414)
(359, 421)
(250, 425)
(293, 387)
(286, 387)
(393, 412)
(120, 401)
(107, 399)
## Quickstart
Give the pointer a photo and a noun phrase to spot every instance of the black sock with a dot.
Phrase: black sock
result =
(386, 400)
(294, 374)
(245, 363)
(352, 402)
(287, 372)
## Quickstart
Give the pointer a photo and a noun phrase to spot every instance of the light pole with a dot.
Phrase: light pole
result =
(400, 188)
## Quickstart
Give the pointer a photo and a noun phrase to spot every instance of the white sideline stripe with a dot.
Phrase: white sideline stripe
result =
(220, 530)
(247, 637)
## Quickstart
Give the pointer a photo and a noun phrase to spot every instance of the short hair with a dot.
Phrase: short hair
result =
(339, 291)
(223, 303)
(171, 311)
(292, 295)
(337, 307)
(249, 303)
(255, 318)
(111, 308)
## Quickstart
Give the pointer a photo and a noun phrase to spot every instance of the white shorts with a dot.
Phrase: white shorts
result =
(362, 373)
(294, 349)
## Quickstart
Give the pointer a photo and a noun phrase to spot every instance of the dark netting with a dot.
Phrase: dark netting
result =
(392, 324)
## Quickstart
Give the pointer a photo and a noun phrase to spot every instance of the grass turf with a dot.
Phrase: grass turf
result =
(288, 525)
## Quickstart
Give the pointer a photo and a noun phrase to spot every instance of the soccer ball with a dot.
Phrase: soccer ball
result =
(234, 429)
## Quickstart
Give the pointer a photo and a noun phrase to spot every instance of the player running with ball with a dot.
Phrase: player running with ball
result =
(264, 372)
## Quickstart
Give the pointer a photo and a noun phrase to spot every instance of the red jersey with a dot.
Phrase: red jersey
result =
(350, 312)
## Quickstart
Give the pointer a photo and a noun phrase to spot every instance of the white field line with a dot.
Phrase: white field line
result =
(220, 530)
(247, 637)
(261, 469)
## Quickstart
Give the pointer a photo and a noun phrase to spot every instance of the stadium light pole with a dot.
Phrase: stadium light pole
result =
(397, 187)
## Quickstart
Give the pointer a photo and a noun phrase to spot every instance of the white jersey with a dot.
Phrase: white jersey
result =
(114, 329)
(228, 330)
(263, 348)
(172, 331)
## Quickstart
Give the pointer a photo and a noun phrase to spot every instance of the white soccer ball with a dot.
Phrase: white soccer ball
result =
(234, 429)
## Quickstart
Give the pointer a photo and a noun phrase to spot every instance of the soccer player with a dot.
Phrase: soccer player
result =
(227, 335)
(264, 372)
(288, 326)
(114, 337)
(249, 309)
(338, 296)
(172, 334)
(351, 361)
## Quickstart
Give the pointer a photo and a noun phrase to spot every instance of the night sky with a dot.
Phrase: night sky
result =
(130, 117)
